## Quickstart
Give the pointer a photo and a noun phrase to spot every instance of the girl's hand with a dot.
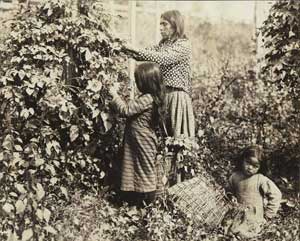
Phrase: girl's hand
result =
(113, 90)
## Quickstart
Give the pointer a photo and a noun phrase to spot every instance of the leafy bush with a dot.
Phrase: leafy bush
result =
(92, 218)
(281, 72)
(95, 218)
(237, 109)
(57, 133)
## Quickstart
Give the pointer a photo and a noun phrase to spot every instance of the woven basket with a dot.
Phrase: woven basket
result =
(199, 198)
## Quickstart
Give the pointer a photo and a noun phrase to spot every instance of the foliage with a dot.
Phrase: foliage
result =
(94, 218)
(54, 113)
(281, 71)
(57, 133)
(216, 45)
(282, 41)
(241, 110)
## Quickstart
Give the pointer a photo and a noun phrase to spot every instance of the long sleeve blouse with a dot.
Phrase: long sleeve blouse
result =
(138, 112)
(257, 191)
(133, 107)
(174, 59)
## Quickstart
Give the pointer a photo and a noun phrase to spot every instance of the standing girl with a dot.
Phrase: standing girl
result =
(173, 54)
(259, 196)
(138, 172)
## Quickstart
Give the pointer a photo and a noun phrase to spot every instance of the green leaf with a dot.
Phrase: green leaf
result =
(13, 194)
(21, 74)
(29, 91)
(31, 111)
(88, 55)
(8, 208)
(24, 113)
(94, 85)
(47, 214)
(27, 234)
(18, 148)
(86, 137)
(39, 213)
(102, 174)
(8, 143)
(51, 169)
(64, 191)
(50, 229)
(74, 132)
(39, 161)
(48, 148)
(20, 206)
(105, 118)
(12, 236)
(40, 193)
(40, 84)
(95, 113)
(53, 180)
(20, 188)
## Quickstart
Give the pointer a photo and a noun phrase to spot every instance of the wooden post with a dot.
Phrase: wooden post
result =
(112, 12)
(132, 27)
(157, 22)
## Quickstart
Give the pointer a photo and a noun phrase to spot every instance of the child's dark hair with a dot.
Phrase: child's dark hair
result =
(252, 151)
(148, 80)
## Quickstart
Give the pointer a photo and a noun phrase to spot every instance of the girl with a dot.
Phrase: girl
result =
(138, 172)
(173, 54)
(259, 196)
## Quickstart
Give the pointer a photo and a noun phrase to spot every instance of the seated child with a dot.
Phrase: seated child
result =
(258, 195)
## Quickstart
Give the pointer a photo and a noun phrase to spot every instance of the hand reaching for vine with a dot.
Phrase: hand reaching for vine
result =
(113, 90)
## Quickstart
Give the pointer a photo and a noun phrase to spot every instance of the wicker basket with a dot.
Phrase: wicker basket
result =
(199, 198)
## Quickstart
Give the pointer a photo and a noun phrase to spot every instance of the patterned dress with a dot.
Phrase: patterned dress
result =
(260, 198)
(138, 171)
(174, 59)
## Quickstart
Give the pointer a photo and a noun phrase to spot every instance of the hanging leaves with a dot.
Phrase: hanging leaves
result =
(282, 41)
(27, 234)
(106, 118)
(74, 132)
(54, 109)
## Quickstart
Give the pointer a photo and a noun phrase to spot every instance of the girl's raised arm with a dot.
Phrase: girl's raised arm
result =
(134, 106)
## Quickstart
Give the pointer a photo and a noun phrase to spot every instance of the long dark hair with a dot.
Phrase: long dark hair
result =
(148, 81)
(176, 21)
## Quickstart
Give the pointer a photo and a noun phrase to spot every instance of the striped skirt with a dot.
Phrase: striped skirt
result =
(139, 166)
(180, 119)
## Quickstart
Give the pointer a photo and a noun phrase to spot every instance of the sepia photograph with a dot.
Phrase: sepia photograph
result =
(143, 120)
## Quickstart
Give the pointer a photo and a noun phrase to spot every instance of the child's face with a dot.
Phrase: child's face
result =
(251, 166)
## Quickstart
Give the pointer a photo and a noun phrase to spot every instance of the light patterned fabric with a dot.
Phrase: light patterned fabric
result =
(180, 121)
(139, 167)
(256, 191)
(174, 59)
